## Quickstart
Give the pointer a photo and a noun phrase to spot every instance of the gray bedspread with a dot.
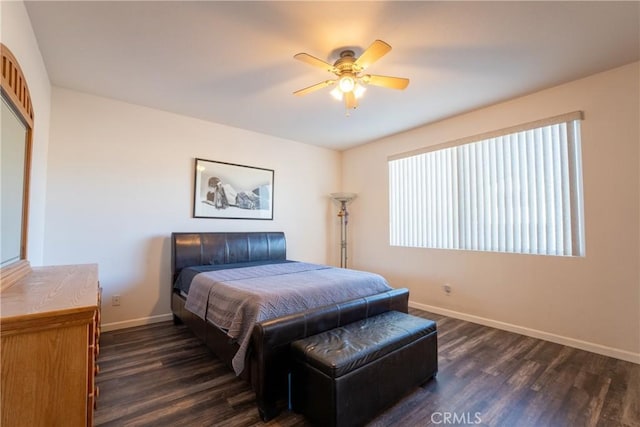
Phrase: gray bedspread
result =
(236, 299)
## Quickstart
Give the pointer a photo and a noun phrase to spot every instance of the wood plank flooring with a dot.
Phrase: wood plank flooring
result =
(162, 375)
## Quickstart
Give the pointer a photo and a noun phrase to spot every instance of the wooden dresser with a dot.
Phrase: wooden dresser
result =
(49, 327)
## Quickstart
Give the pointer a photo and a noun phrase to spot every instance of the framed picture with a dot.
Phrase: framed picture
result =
(227, 190)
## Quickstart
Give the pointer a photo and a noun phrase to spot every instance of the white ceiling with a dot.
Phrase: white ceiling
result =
(232, 62)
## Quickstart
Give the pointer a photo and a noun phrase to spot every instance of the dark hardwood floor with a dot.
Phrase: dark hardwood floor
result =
(162, 375)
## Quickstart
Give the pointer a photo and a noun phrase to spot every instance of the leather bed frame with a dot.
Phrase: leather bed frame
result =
(268, 360)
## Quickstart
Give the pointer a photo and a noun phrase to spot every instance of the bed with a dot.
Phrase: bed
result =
(219, 268)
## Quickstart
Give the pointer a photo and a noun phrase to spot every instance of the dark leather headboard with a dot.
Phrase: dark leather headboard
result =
(190, 249)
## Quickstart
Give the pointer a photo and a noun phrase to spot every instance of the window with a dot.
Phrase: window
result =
(517, 190)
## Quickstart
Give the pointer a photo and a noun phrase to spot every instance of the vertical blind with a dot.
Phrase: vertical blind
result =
(517, 190)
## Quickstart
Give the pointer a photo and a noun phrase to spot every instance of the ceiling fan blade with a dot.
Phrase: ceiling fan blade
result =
(313, 88)
(374, 52)
(316, 62)
(386, 81)
(350, 100)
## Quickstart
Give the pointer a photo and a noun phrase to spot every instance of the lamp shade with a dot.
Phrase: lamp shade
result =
(343, 197)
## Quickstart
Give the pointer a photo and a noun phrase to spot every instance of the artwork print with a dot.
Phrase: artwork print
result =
(227, 190)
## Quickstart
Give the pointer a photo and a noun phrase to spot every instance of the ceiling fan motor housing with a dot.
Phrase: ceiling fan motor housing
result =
(345, 63)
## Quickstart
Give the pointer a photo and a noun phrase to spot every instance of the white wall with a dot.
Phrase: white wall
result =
(120, 180)
(591, 302)
(17, 34)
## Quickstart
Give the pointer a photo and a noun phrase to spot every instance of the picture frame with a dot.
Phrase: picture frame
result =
(232, 191)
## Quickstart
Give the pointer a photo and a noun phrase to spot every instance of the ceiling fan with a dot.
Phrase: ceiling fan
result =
(350, 74)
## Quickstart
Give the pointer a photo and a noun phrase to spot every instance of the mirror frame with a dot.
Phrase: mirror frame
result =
(14, 89)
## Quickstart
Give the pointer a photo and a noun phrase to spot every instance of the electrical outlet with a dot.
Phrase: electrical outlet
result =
(447, 288)
(115, 300)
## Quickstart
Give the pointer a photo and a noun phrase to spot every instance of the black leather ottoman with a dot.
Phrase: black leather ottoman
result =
(348, 375)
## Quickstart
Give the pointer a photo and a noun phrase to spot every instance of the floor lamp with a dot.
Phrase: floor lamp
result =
(344, 199)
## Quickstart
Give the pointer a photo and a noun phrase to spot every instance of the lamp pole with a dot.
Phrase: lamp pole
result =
(344, 220)
(344, 199)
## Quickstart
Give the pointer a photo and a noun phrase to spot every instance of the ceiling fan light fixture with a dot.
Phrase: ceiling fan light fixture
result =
(347, 83)
(336, 93)
(358, 91)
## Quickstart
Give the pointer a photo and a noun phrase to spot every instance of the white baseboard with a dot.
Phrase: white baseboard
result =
(105, 327)
(558, 339)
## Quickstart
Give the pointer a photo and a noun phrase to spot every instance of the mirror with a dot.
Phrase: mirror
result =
(13, 144)
(16, 116)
